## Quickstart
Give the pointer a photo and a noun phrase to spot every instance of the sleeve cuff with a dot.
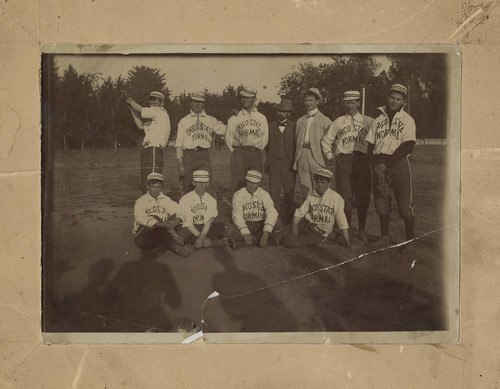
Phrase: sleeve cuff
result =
(244, 231)
(268, 228)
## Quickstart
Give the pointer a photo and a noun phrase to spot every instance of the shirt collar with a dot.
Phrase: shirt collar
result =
(245, 112)
(151, 198)
(383, 109)
(254, 193)
(358, 117)
(202, 113)
(313, 112)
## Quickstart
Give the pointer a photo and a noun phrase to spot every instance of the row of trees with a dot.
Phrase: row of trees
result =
(87, 110)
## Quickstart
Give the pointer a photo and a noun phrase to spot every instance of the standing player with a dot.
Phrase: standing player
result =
(156, 126)
(254, 216)
(309, 132)
(279, 161)
(247, 135)
(353, 171)
(316, 217)
(195, 133)
(199, 210)
(155, 217)
(391, 139)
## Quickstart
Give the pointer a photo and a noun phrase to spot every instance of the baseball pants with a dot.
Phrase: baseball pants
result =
(400, 183)
(196, 159)
(256, 229)
(307, 167)
(354, 180)
(309, 235)
(216, 232)
(281, 175)
(244, 159)
(151, 162)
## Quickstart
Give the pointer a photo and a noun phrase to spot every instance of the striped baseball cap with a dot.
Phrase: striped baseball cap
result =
(248, 91)
(200, 176)
(198, 96)
(155, 176)
(399, 89)
(351, 95)
(157, 95)
(324, 173)
(253, 176)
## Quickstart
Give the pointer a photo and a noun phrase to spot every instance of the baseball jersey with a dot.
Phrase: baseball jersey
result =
(157, 126)
(247, 129)
(148, 211)
(348, 133)
(253, 207)
(324, 211)
(196, 130)
(386, 140)
(197, 210)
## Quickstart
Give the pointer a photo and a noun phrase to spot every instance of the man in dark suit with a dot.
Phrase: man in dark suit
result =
(280, 158)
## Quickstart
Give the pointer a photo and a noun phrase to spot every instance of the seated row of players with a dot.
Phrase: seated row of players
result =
(191, 224)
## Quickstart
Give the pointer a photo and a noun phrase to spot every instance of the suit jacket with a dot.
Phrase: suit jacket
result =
(318, 128)
(273, 147)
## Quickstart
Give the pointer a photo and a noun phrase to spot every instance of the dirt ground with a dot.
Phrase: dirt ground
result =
(96, 280)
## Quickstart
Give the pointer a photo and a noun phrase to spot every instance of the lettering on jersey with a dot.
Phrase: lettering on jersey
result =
(321, 213)
(200, 131)
(354, 133)
(198, 213)
(382, 130)
(253, 211)
(156, 210)
(249, 127)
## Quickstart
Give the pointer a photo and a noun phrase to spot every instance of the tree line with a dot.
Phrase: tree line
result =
(87, 110)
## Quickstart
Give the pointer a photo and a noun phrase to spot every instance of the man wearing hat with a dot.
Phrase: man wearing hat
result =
(391, 139)
(254, 216)
(247, 135)
(353, 170)
(155, 217)
(199, 210)
(195, 133)
(155, 122)
(316, 217)
(309, 132)
(279, 161)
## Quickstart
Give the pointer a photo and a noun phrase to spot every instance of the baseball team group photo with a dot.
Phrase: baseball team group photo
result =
(250, 193)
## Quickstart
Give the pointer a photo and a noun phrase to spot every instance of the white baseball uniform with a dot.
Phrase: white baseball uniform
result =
(247, 129)
(253, 207)
(197, 210)
(156, 128)
(147, 210)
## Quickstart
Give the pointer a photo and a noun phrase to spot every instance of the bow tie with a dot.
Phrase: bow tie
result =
(282, 124)
(310, 116)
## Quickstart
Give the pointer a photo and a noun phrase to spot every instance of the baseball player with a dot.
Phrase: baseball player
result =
(155, 217)
(280, 154)
(353, 170)
(254, 216)
(391, 139)
(199, 210)
(247, 135)
(314, 220)
(309, 132)
(195, 133)
(155, 122)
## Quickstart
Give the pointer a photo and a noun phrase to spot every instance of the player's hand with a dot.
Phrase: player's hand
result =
(129, 100)
(264, 239)
(177, 238)
(182, 171)
(379, 169)
(171, 223)
(207, 243)
(199, 242)
(295, 229)
(248, 239)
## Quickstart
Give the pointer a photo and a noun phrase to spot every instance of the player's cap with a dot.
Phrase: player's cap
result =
(285, 105)
(200, 176)
(253, 176)
(157, 95)
(324, 173)
(198, 96)
(248, 91)
(313, 91)
(155, 176)
(399, 89)
(350, 95)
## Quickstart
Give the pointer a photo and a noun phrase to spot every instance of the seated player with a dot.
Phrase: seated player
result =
(254, 216)
(156, 216)
(314, 220)
(199, 210)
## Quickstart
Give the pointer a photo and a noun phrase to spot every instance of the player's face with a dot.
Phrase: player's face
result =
(310, 102)
(252, 186)
(352, 107)
(283, 115)
(322, 184)
(197, 106)
(200, 187)
(155, 102)
(395, 101)
(247, 102)
(154, 187)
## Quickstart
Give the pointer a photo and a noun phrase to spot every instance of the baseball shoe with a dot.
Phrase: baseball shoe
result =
(382, 242)
(362, 236)
(183, 251)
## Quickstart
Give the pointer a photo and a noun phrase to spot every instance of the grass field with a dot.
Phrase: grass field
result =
(95, 279)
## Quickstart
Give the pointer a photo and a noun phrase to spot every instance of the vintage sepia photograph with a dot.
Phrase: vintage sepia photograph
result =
(251, 194)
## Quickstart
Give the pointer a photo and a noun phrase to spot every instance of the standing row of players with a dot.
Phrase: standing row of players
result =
(358, 143)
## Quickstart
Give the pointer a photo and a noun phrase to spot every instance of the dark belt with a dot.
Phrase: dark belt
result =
(306, 146)
(199, 148)
(251, 148)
